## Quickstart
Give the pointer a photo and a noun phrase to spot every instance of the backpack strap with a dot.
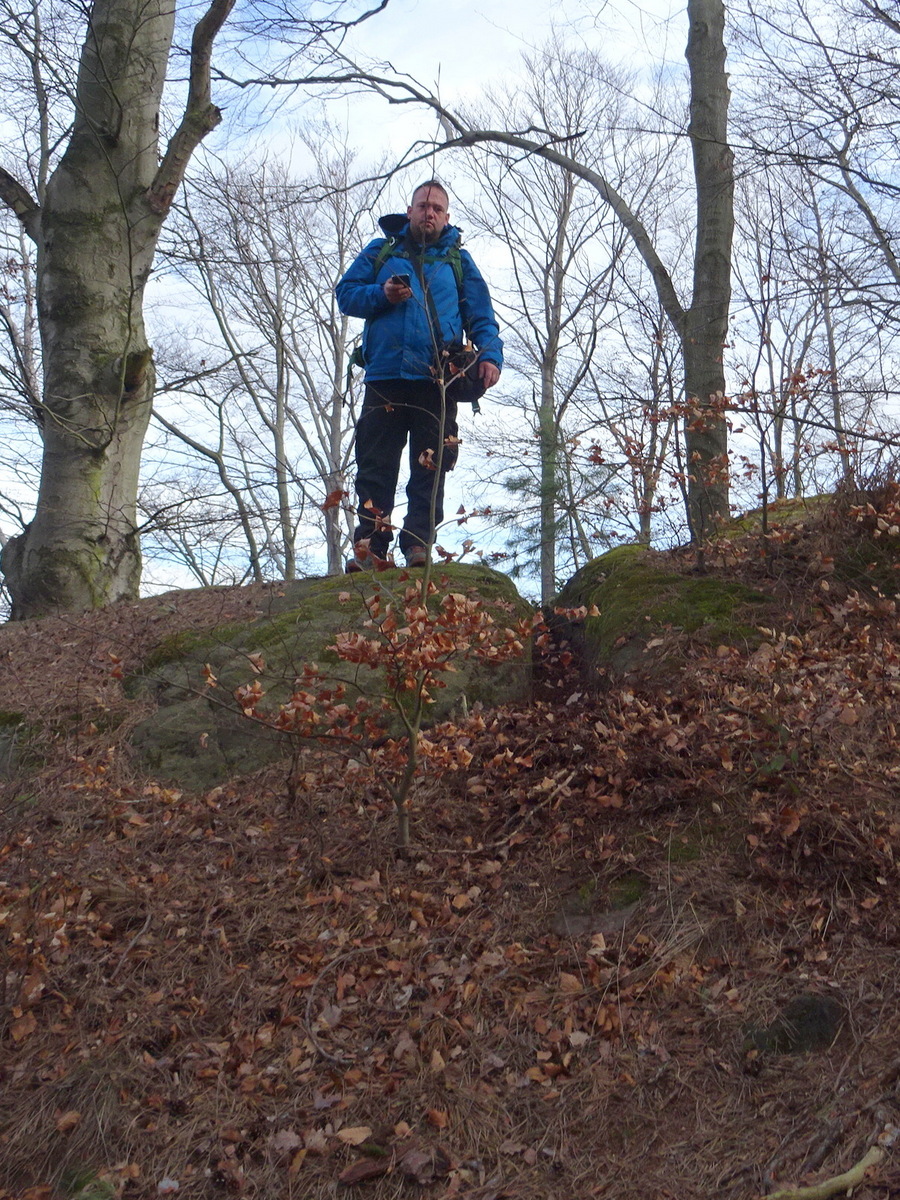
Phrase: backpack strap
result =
(393, 245)
(385, 250)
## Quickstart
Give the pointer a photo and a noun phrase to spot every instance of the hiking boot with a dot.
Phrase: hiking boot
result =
(365, 560)
(417, 556)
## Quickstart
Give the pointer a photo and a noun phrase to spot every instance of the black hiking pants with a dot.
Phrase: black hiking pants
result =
(394, 411)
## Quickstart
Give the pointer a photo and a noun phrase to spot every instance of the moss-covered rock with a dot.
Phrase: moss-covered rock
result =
(793, 510)
(197, 737)
(645, 604)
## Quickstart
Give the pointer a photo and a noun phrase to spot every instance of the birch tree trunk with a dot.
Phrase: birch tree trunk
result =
(95, 228)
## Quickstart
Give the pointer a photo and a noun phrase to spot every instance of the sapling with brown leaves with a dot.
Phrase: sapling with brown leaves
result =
(414, 635)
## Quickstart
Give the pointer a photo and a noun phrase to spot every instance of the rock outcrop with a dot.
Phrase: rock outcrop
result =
(647, 608)
(197, 737)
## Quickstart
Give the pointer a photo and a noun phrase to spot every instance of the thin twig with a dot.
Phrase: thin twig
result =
(131, 945)
(313, 1037)
(504, 841)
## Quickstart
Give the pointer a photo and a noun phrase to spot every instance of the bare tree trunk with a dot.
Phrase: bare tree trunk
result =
(95, 243)
(834, 384)
(96, 231)
(337, 453)
(548, 414)
(705, 329)
(282, 475)
(548, 447)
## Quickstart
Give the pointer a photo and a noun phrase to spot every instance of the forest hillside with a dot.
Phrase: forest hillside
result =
(642, 943)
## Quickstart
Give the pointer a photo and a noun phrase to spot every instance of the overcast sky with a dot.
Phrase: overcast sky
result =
(467, 45)
(458, 49)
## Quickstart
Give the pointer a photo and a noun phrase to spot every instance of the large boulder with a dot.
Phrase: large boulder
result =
(650, 609)
(197, 736)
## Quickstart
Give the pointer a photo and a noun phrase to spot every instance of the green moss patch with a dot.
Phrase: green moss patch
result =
(869, 564)
(17, 745)
(641, 600)
(791, 511)
(627, 889)
(184, 644)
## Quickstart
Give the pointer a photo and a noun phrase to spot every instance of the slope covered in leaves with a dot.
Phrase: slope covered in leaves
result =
(555, 994)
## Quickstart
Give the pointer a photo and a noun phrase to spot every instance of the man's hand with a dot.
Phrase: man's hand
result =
(488, 373)
(396, 293)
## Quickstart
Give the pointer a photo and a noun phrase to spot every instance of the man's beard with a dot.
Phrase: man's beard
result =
(427, 235)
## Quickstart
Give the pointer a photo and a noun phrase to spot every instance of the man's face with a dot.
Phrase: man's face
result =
(428, 215)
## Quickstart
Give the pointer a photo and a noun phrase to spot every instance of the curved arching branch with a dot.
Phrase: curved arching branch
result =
(403, 90)
(635, 229)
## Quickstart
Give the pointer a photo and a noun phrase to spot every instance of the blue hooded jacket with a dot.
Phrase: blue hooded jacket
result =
(398, 341)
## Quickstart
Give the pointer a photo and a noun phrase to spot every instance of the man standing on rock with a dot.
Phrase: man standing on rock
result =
(419, 293)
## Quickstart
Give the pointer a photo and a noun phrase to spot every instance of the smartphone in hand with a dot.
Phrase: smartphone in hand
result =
(403, 280)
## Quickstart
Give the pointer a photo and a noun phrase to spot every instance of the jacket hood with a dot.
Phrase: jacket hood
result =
(398, 223)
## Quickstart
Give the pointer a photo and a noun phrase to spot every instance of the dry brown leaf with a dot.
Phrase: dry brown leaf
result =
(438, 1063)
(297, 1163)
(315, 1141)
(32, 989)
(67, 1121)
(417, 1165)
(22, 1028)
(425, 1166)
(569, 983)
(405, 1049)
(333, 499)
(286, 1141)
(354, 1135)
(366, 1168)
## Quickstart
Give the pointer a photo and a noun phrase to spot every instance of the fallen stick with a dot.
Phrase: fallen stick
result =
(831, 1187)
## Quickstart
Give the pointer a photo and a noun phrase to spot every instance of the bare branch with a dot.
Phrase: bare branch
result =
(397, 90)
(201, 116)
(635, 229)
(20, 201)
(879, 14)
